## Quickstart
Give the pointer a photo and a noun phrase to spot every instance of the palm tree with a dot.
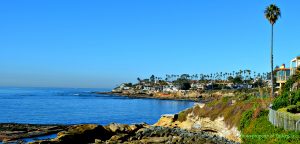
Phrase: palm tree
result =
(272, 13)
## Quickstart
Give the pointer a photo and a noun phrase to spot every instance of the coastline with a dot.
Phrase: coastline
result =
(143, 95)
(111, 133)
(203, 97)
(14, 132)
(134, 133)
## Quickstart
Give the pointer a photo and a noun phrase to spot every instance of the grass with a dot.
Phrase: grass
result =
(182, 116)
(232, 108)
(259, 130)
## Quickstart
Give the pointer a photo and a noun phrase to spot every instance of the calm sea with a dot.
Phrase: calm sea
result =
(77, 106)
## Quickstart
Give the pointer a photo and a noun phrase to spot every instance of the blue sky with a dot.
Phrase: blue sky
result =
(103, 43)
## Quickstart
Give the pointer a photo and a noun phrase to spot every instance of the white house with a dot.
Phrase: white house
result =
(295, 62)
(197, 86)
(170, 88)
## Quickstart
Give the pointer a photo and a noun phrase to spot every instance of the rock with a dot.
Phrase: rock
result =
(196, 123)
(131, 134)
(119, 128)
(79, 134)
(155, 140)
(201, 105)
(165, 120)
(296, 86)
(118, 137)
(14, 131)
(98, 141)
(136, 127)
(176, 139)
(124, 128)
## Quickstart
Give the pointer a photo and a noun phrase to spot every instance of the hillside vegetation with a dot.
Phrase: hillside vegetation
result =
(250, 114)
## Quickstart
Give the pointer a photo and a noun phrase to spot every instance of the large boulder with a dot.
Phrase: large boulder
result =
(296, 86)
(84, 134)
(124, 128)
(118, 128)
(80, 134)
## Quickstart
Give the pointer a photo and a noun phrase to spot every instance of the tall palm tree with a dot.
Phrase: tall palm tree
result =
(272, 13)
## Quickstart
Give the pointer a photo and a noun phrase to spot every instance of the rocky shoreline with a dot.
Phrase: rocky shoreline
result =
(109, 134)
(13, 132)
(131, 134)
(143, 95)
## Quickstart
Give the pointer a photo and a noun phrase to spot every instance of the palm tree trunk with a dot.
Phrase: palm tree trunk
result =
(272, 83)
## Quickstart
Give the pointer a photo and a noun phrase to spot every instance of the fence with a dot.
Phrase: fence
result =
(284, 120)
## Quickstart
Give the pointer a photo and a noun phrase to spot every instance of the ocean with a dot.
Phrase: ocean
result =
(80, 106)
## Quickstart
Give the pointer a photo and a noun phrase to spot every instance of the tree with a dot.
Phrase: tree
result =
(128, 84)
(139, 80)
(152, 79)
(237, 80)
(185, 76)
(183, 83)
(230, 78)
(272, 13)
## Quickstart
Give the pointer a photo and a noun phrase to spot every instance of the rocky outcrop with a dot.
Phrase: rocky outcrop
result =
(131, 134)
(195, 123)
(296, 86)
(79, 134)
(13, 133)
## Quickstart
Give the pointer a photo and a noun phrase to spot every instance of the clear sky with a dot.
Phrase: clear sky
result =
(97, 43)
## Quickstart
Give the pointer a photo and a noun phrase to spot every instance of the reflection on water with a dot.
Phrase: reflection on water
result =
(39, 138)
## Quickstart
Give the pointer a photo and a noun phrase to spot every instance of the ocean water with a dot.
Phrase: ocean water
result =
(79, 106)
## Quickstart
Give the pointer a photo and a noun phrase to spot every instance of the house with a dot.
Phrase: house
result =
(148, 88)
(282, 74)
(170, 88)
(295, 62)
(124, 86)
(198, 86)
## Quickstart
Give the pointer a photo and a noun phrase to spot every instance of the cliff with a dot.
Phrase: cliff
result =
(193, 122)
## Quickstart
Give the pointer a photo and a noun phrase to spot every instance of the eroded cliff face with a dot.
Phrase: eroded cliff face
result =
(195, 123)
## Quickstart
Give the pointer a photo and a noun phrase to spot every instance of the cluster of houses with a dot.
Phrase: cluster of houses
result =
(283, 73)
(170, 87)
(147, 88)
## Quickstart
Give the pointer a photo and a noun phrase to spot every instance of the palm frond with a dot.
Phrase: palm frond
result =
(272, 13)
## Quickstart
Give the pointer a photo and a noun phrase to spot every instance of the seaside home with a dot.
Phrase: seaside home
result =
(148, 88)
(198, 86)
(170, 88)
(295, 62)
(158, 88)
(281, 74)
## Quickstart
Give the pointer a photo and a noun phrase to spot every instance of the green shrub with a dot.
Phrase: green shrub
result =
(293, 108)
(295, 97)
(289, 83)
(281, 101)
(183, 114)
(286, 99)
(246, 119)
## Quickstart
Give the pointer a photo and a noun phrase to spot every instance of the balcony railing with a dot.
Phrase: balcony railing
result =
(282, 78)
